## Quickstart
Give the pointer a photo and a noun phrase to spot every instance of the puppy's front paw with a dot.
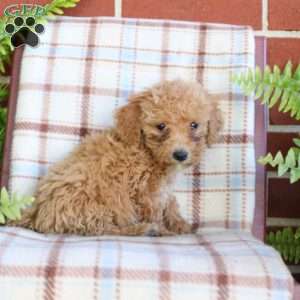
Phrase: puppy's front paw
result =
(158, 230)
(153, 230)
(181, 227)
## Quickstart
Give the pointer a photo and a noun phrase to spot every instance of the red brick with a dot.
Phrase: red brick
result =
(283, 199)
(280, 50)
(92, 8)
(284, 14)
(280, 118)
(83, 8)
(230, 11)
(280, 141)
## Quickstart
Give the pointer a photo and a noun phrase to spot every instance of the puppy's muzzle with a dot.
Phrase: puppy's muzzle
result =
(180, 155)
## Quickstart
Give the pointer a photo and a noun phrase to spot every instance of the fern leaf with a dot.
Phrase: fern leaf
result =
(276, 72)
(297, 73)
(291, 163)
(271, 238)
(267, 94)
(291, 253)
(10, 207)
(57, 11)
(267, 73)
(297, 233)
(278, 159)
(287, 72)
(259, 91)
(296, 142)
(282, 169)
(8, 212)
(264, 160)
(297, 256)
(278, 236)
(4, 197)
(285, 252)
(258, 75)
(273, 86)
(285, 241)
(3, 91)
(275, 97)
(2, 218)
(290, 159)
(284, 99)
(56, 6)
(3, 118)
(295, 175)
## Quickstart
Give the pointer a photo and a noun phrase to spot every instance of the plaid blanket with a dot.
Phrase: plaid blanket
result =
(210, 266)
(85, 68)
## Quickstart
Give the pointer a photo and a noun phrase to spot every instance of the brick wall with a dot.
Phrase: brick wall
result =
(278, 20)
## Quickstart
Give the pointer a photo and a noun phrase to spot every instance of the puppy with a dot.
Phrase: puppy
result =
(118, 182)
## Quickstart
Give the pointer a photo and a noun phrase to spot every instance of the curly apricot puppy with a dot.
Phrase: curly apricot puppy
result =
(116, 182)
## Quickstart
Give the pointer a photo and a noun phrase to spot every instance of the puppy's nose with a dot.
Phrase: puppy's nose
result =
(180, 155)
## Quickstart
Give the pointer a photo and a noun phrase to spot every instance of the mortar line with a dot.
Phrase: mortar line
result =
(273, 174)
(118, 8)
(278, 221)
(284, 128)
(278, 33)
(265, 22)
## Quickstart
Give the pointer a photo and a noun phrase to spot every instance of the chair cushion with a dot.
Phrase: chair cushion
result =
(85, 68)
(219, 265)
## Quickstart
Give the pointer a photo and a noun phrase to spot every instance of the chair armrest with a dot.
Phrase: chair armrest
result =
(260, 140)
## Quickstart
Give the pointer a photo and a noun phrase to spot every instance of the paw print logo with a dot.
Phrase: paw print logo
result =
(24, 31)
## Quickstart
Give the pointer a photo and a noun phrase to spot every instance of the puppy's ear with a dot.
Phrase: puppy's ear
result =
(128, 121)
(215, 122)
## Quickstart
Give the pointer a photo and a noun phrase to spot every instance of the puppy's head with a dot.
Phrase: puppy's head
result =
(174, 120)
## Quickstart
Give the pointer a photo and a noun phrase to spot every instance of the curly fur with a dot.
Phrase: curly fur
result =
(116, 182)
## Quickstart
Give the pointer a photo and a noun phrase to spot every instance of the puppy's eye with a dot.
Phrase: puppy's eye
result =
(194, 125)
(161, 126)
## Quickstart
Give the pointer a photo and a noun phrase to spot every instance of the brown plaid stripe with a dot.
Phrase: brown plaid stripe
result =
(163, 65)
(53, 44)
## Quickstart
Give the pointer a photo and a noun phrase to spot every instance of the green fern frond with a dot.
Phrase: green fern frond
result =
(289, 164)
(287, 243)
(56, 6)
(3, 119)
(3, 22)
(3, 91)
(273, 86)
(10, 207)
(5, 45)
(5, 52)
(3, 116)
